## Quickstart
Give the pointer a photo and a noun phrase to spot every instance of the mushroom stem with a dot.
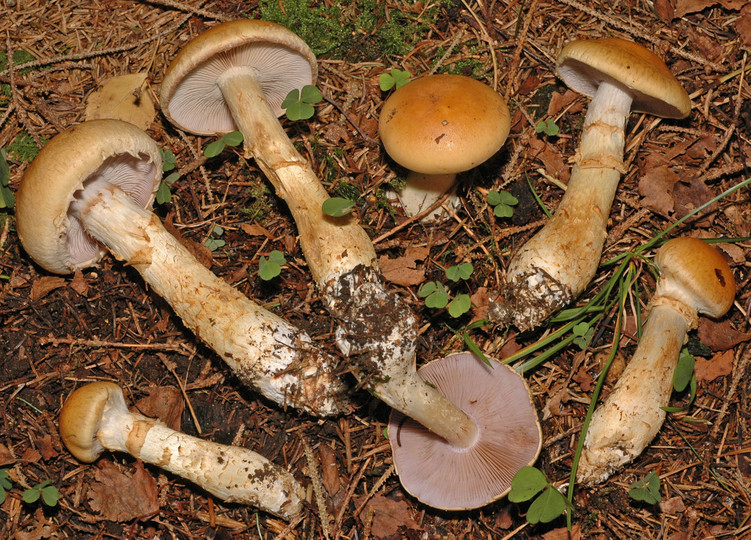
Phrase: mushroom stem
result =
(374, 324)
(623, 426)
(558, 263)
(266, 352)
(421, 191)
(332, 247)
(233, 474)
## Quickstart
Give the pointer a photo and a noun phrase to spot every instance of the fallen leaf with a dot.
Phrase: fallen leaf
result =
(31, 455)
(45, 446)
(165, 403)
(6, 458)
(562, 533)
(118, 497)
(45, 285)
(559, 101)
(558, 394)
(743, 25)
(329, 469)
(550, 158)
(682, 7)
(403, 270)
(664, 9)
(673, 505)
(79, 283)
(480, 301)
(124, 97)
(720, 365)
(254, 229)
(720, 335)
(656, 188)
(388, 516)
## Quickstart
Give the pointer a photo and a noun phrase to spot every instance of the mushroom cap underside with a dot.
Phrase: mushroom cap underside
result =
(583, 64)
(509, 437)
(110, 151)
(280, 60)
(443, 124)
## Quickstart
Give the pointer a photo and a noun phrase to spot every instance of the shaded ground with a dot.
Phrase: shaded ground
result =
(59, 332)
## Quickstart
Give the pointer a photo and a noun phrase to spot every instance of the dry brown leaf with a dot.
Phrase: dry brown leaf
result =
(720, 335)
(79, 283)
(550, 158)
(720, 365)
(124, 97)
(45, 285)
(403, 270)
(480, 302)
(664, 9)
(558, 394)
(6, 458)
(388, 516)
(165, 403)
(46, 447)
(682, 7)
(656, 188)
(118, 497)
(673, 505)
(743, 25)
(329, 469)
(562, 533)
(254, 229)
(559, 101)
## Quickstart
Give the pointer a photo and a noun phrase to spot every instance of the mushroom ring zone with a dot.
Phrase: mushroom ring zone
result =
(509, 436)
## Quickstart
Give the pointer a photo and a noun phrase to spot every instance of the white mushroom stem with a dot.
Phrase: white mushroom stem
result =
(331, 247)
(558, 263)
(375, 326)
(421, 191)
(267, 353)
(623, 426)
(231, 473)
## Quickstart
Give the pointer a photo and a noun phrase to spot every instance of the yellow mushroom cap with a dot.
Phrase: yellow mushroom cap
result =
(697, 274)
(443, 124)
(583, 64)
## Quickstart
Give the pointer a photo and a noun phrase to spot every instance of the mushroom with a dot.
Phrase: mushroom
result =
(558, 263)
(510, 437)
(375, 327)
(438, 126)
(95, 417)
(694, 278)
(86, 192)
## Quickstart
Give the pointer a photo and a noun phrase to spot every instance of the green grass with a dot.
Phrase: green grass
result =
(358, 30)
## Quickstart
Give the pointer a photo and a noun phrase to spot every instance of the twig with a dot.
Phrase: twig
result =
(738, 374)
(189, 9)
(416, 217)
(315, 478)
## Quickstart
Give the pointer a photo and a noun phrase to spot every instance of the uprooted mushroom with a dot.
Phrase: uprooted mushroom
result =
(694, 278)
(558, 263)
(220, 74)
(87, 192)
(95, 417)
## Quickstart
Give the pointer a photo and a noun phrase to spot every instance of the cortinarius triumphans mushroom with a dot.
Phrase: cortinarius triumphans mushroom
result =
(95, 417)
(694, 278)
(438, 126)
(509, 436)
(86, 193)
(558, 263)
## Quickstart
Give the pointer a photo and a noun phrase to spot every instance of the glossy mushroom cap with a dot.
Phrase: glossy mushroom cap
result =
(696, 274)
(583, 64)
(71, 161)
(509, 436)
(443, 124)
(81, 417)
(190, 96)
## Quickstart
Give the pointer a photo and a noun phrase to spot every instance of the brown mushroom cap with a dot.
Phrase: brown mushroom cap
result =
(443, 124)
(81, 416)
(190, 96)
(509, 436)
(697, 274)
(109, 151)
(583, 64)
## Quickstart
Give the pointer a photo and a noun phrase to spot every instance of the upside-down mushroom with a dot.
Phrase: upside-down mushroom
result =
(219, 70)
(558, 263)
(87, 192)
(95, 417)
(694, 278)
